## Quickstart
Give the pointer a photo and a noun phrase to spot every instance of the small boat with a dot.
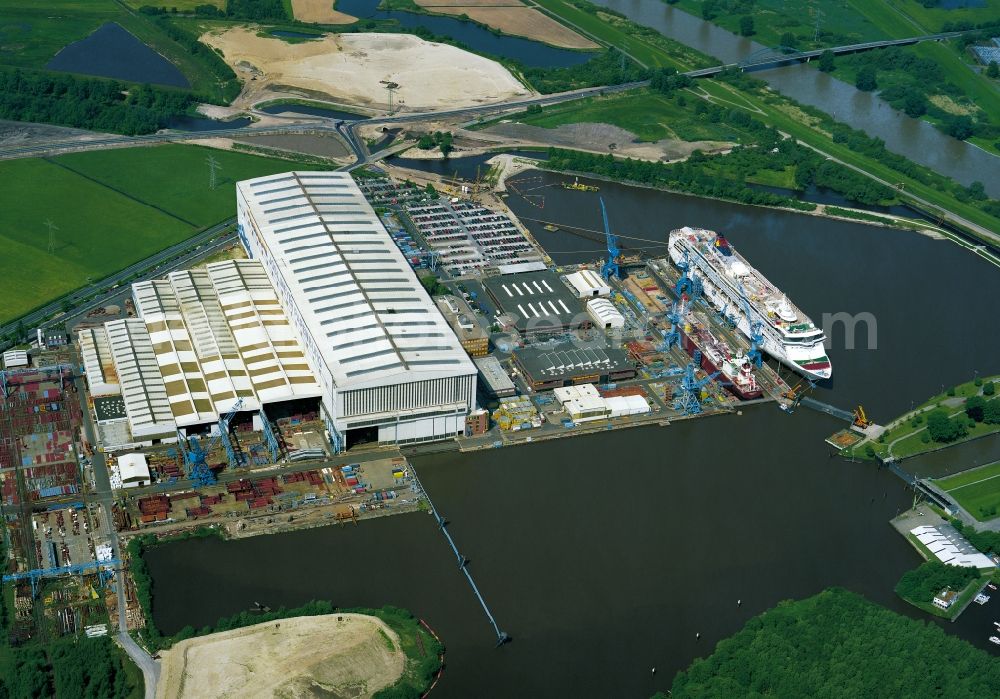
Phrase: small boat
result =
(578, 186)
(994, 639)
(991, 586)
(549, 227)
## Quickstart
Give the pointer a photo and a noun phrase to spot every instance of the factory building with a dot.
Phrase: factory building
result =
(98, 364)
(537, 303)
(566, 364)
(389, 367)
(493, 378)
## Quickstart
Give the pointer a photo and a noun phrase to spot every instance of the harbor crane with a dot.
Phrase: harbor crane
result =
(861, 419)
(196, 456)
(672, 337)
(687, 399)
(795, 394)
(688, 283)
(754, 328)
(611, 267)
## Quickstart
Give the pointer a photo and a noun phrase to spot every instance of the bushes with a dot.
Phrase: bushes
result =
(922, 584)
(256, 9)
(606, 68)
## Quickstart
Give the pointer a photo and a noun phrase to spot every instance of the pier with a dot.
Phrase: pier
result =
(463, 562)
(822, 407)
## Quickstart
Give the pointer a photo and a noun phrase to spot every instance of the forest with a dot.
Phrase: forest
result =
(838, 644)
(85, 668)
(87, 103)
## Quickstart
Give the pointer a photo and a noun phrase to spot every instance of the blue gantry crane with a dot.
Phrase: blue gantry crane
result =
(672, 337)
(686, 398)
(612, 266)
(754, 328)
(195, 455)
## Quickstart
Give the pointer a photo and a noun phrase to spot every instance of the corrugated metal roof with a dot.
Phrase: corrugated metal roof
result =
(360, 301)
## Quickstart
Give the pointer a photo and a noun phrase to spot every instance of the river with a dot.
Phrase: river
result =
(917, 140)
(603, 556)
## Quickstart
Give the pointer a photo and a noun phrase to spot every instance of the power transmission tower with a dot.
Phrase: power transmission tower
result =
(213, 167)
(52, 234)
(819, 19)
(390, 87)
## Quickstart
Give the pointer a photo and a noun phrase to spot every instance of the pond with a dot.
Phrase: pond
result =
(193, 123)
(110, 51)
(530, 53)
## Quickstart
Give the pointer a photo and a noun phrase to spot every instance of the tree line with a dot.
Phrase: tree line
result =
(838, 644)
(83, 668)
(89, 103)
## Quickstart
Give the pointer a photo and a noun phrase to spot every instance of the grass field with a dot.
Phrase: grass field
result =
(649, 115)
(839, 23)
(31, 33)
(111, 209)
(978, 490)
(646, 46)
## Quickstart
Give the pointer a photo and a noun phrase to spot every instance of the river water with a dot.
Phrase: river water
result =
(916, 139)
(604, 556)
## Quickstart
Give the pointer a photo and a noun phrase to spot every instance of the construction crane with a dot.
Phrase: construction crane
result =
(796, 393)
(861, 420)
(611, 267)
(753, 331)
(687, 398)
(672, 337)
(196, 456)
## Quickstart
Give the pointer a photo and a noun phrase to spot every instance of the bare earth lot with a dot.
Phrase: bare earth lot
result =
(320, 12)
(336, 655)
(599, 138)
(349, 68)
(512, 17)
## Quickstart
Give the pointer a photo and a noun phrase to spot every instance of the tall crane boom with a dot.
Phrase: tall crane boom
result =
(611, 267)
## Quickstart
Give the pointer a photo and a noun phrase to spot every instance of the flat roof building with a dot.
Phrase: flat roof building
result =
(13, 359)
(493, 378)
(389, 367)
(538, 302)
(475, 340)
(572, 363)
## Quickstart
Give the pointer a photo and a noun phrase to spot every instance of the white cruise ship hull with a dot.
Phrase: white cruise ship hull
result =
(810, 361)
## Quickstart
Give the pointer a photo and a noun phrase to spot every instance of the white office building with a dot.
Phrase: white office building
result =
(389, 367)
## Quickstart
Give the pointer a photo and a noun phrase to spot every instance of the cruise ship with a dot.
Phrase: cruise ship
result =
(727, 279)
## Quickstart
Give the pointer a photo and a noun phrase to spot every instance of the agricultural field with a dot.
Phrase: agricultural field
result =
(109, 209)
(977, 490)
(512, 17)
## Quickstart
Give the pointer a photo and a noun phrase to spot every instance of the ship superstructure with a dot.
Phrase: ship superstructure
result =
(762, 312)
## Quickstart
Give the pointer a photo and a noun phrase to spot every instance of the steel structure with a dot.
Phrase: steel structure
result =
(102, 567)
(269, 437)
(611, 267)
(754, 331)
(672, 337)
(686, 398)
(195, 455)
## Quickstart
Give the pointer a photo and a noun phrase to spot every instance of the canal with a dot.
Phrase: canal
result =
(917, 140)
(604, 556)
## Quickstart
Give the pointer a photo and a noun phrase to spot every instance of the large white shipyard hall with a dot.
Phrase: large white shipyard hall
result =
(389, 366)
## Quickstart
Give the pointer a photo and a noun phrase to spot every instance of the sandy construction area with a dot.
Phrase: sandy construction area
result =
(320, 12)
(337, 655)
(349, 68)
(512, 17)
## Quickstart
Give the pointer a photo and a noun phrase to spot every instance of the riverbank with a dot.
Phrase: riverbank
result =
(907, 435)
